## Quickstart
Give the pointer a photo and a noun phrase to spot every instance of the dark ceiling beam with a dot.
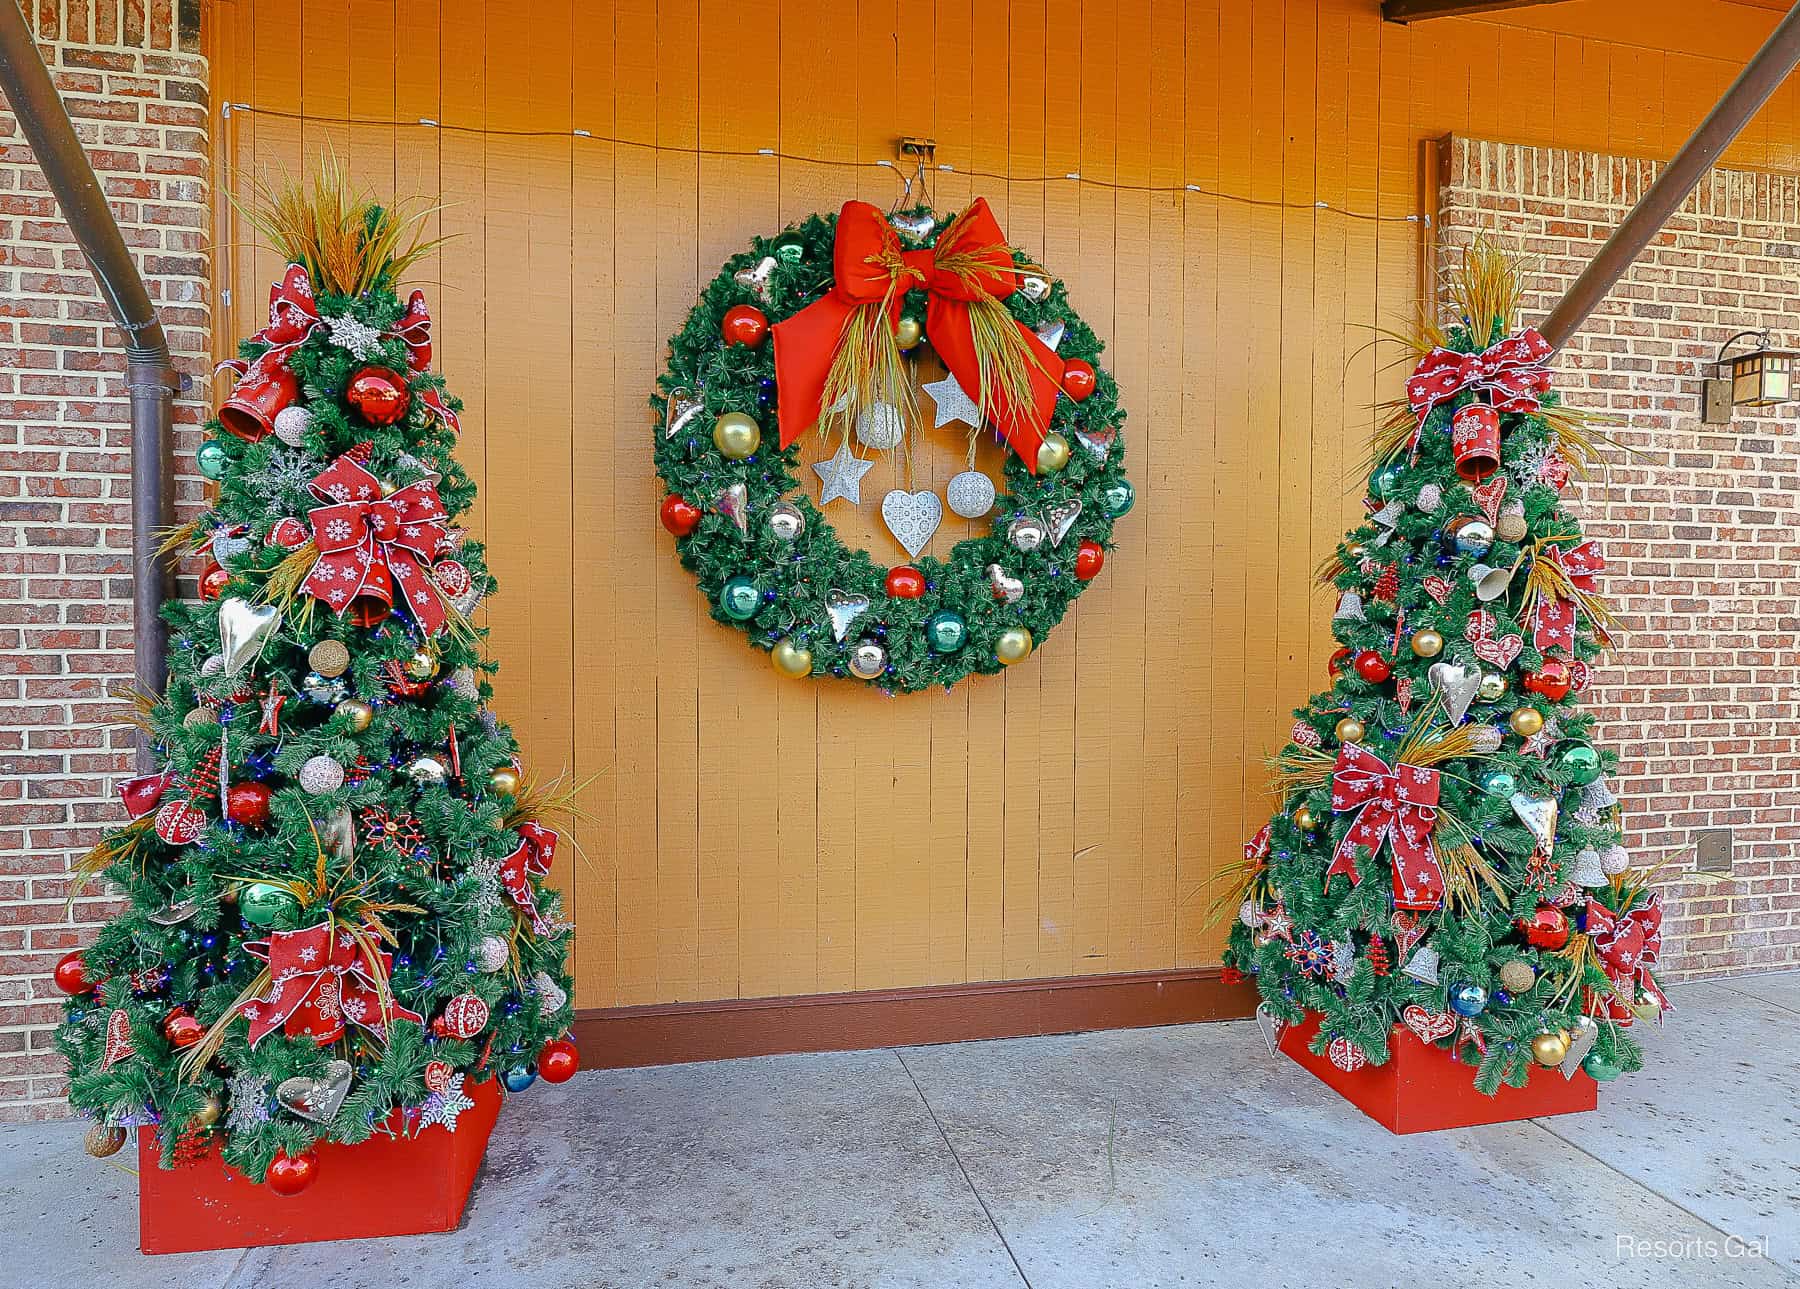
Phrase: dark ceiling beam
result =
(1420, 10)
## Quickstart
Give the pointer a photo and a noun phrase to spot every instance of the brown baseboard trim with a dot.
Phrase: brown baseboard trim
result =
(672, 1033)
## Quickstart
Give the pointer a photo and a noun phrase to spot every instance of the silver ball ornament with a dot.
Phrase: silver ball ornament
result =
(291, 425)
(427, 770)
(492, 954)
(321, 775)
(1430, 499)
(970, 494)
(1025, 532)
(881, 426)
(786, 521)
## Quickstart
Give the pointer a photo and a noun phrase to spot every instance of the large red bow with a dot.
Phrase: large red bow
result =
(869, 266)
(1398, 805)
(368, 542)
(320, 978)
(1511, 372)
(1553, 620)
(535, 853)
(1628, 945)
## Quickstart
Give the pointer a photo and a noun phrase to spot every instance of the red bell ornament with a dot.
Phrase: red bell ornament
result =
(261, 394)
(557, 1061)
(679, 515)
(1372, 667)
(1548, 928)
(71, 974)
(182, 1028)
(212, 582)
(1090, 558)
(248, 804)
(1553, 680)
(1078, 379)
(744, 324)
(905, 583)
(291, 1174)
(379, 395)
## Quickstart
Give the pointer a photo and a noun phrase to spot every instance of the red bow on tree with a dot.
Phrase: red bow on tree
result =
(1511, 372)
(1397, 805)
(1257, 848)
(1627, 945)
(368, 542)
(319, 979)
(1553, 619)
(536, 852)
(969, 269)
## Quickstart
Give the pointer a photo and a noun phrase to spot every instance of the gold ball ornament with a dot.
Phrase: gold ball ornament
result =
(736, 435)
(1427, 644)
(1305, 820)
(1054, 454)
(1350, 730)
(356, 712)
(1511, 526)
(908, 333)
(423, 665)
(790, 660)
(1493, 685)
(1014, 645)
(1549, 1049)
(1526, 721)
(102, 1140)
(330, 658)
(208, 1114)
(505, 781)
(1517, 976)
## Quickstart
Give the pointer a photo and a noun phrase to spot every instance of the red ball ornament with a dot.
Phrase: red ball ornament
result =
(291, 1174)
(212, 582)
(183, 1029)
(1372, 667)
(905, 582)
(1335, 664)
(1548, 928)
(557, 1061)
(71, 974)
(1090, 558)
(679, 515)
(1078, 379)
(1553, 680)
(465, 1016)
(744, 324)
(248, 804)
(379, 395)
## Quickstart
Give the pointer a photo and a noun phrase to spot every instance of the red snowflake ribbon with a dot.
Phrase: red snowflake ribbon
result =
(1628, 945)
(319, 979)
(368, 543)
(1257, 848)
(1397, 805)
(1511, 372)
(536, 851)
(1553, 620)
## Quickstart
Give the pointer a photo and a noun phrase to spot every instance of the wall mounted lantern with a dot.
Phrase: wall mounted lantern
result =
(1759, 377)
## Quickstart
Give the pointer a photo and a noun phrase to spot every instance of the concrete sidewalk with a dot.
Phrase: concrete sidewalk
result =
(1124, 1160)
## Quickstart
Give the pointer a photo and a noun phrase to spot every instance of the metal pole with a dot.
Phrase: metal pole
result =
(1761, 76)
(150, 376)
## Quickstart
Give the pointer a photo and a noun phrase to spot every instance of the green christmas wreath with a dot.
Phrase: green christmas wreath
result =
(815, 329)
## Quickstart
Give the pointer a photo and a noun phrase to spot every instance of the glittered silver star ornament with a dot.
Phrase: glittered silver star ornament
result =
(952, 403)
(842, 476)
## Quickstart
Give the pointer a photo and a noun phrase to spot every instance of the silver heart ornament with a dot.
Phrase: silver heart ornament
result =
(243, 630)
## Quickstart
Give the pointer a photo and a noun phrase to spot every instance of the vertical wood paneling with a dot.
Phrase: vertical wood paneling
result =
(755, 837)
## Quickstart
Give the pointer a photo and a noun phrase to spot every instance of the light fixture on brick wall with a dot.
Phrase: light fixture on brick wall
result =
(1759, 377)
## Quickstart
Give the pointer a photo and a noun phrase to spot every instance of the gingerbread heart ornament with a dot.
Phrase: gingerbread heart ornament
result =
(1428, 1025)
(118, 1038)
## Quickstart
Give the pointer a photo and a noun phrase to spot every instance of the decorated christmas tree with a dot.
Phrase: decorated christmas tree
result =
(337, 916)
(1448, 853)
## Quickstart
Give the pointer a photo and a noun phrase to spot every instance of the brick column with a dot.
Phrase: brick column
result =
(1701, 527)
(136, 85)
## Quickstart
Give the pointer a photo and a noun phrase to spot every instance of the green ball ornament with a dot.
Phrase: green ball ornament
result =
(1118, 498)
(1580, 762)
(790, 252)
(265, 904)
(946, 632)
(1385, 483)
(1499, 783)
(211, 458)
(740, 599)
(1601, 1070)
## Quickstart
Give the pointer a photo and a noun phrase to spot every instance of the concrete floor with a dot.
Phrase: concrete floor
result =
(1135, 1160)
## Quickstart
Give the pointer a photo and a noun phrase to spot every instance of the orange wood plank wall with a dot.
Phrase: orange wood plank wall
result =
(760, 837)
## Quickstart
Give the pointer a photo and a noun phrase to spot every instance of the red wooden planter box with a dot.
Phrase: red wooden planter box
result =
(1421, 1089)
(385, 1186)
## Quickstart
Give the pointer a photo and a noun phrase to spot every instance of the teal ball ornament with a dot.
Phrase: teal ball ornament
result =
(517, 1080)
(1580, 762)
(1118, 498)
(1499, 783)
(1385, 483)
(1600, 1069)
(265, 904)
(211, 459)
(946, 632)
(740, 599)
(1468, 999)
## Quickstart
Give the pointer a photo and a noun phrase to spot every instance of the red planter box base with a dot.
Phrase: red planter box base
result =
(1421, 1089)
(385, 1186)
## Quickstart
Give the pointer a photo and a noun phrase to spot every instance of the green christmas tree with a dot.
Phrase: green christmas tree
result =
(337, 915)
(1448, 854)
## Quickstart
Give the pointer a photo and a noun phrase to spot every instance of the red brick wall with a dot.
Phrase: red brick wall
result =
(1701, 528)
(135, 83)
